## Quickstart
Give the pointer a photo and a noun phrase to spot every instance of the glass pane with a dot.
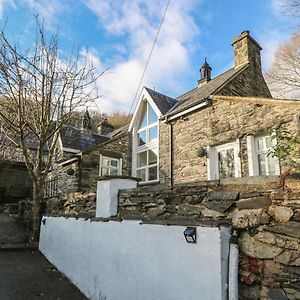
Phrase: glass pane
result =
(152, 134)
(104, 171)
(142, 159)
(113, 171)
(226, 163)
(143, 121)
(272, 162)
(152, 117)
(142, 138)
(261, 164)
(152, 158)
(114, 163)
(105, 162)
(260, 144)
(152, 173)
(141, 174)
(269, 142)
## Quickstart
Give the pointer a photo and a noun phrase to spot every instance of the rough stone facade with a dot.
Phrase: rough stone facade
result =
(265, 215)
(118, 147)
(63, 178)
(220, 123)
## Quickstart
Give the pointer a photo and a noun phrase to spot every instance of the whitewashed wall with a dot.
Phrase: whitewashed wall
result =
(129, 261)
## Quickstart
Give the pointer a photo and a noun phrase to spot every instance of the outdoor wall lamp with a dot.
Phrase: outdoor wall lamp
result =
(190, 235)
(44, 221)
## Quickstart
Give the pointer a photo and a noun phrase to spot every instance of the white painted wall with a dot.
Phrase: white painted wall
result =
(129, 261)
(107, 195)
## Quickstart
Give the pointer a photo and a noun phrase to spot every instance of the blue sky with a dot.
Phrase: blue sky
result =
(120, 33)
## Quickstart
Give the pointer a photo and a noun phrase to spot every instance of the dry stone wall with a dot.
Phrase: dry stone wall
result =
(265, 216)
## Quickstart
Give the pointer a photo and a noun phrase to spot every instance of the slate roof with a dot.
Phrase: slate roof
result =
(197, 95)
(75, 138)
(163, 102)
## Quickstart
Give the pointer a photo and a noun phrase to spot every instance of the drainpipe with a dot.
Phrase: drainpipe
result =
(171, 153)
(233, 270)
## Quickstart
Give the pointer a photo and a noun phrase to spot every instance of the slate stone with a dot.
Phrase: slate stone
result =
(222, 195)
(219, 206)
(253, 203)
(290, 228)
(276, 294)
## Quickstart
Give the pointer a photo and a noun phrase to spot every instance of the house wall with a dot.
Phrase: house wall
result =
(127, 260)
(220, 123)
(63, 178)
(90, 160)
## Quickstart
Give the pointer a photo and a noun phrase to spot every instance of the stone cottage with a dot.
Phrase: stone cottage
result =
(219, 129)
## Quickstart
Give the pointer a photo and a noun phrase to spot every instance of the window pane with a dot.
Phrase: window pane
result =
(105, 162)
(142, 138)
(261, 164)
(114, 163)
(143, 121)
(226, 163)
(142, 159)
(152, 173)
(152, 158)
(152, 134)
(141, 174)
(269, 142)
(104, 171)
(260, 144)
(152, 117)
(113, 172)
(272, 162)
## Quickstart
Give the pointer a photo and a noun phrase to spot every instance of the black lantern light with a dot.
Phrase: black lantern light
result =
(190, 234)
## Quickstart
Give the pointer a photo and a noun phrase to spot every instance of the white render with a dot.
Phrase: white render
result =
(107, 195)
(132, 261)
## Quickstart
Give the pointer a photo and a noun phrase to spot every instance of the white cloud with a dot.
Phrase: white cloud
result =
(271, 40)
(136, 22)
(47, 11)
(4, 4)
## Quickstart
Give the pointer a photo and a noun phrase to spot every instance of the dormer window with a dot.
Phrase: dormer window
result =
(146, 145)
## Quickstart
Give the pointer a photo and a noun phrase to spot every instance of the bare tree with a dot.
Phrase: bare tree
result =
(39, 91)
(284, 76)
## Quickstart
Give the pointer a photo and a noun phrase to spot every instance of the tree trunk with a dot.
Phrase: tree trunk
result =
(37, 199)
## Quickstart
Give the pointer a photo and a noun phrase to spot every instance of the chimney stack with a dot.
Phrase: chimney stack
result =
(246, 50)
(104, 127)
(205, 74)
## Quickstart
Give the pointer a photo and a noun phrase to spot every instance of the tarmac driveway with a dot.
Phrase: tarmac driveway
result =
(27, 275)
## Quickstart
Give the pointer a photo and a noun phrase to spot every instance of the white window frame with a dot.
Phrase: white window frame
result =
(110, 167)
(213, 165)
(153, 145)
(253, 153)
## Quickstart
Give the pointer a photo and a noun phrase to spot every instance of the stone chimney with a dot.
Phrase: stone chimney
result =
(86, 121)
(205, 74)
(246, 50)
(104, 127)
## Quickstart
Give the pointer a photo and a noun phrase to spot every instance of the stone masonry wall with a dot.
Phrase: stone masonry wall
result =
(90, 160)
(264, 213)
(220, 123)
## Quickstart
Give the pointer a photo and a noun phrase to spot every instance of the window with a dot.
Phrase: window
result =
(110, 166)
(260, 160)
(224, 161)
(146, 145)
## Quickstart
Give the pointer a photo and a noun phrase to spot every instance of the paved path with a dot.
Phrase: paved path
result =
(27, 275)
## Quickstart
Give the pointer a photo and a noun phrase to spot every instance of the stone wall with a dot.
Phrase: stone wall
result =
(63, 178)
(264, 212)
(120, 146)
(220, 123)
(79, 204)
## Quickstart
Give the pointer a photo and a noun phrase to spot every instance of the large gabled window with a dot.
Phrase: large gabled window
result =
(146, 145)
